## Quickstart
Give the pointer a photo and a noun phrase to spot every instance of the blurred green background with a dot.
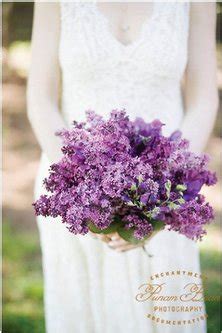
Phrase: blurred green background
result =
(22, 272)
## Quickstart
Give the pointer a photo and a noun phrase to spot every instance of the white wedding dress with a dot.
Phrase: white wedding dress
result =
(88, 286)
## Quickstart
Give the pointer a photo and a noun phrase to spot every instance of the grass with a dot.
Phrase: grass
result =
(22, 282)
(210, 263)
(23, 285)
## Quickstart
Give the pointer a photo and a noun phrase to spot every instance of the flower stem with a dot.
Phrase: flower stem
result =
(147, 253)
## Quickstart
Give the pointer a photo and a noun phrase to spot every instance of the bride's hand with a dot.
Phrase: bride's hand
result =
(118, 244)
(102, 237)
(115, 242)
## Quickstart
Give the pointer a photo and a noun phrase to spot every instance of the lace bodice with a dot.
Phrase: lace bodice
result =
(100, 73)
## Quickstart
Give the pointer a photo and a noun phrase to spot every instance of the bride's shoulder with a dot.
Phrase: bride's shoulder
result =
(203, 16)
(202, 9)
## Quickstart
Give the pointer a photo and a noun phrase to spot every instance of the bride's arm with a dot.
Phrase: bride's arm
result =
(200, 89)
(43, 82)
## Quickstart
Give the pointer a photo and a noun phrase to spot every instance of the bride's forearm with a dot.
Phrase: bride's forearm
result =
(200, 84)
(44, 79)
(45, 120)
(197, 125)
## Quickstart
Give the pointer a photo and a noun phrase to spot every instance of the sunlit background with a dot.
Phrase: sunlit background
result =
(22, 274)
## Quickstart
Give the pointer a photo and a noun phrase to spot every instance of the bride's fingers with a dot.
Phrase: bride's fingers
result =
(127, 247)
(104, 238)
(114, 236)
(118, 243)
(101, 237)
(107, 238)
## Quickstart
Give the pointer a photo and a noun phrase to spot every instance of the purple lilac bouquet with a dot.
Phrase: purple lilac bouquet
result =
(127, 177)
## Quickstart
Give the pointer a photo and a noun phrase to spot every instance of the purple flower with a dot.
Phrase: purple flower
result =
(117, 167)
(190, 218)
(141, 227)
(175, 136)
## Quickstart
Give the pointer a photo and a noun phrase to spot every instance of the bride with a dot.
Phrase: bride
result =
(156, 60)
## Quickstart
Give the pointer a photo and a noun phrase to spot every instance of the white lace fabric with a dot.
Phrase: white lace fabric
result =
(89, 287)
(102, 74)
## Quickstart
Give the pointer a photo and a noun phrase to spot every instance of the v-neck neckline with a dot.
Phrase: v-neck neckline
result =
(143, 29)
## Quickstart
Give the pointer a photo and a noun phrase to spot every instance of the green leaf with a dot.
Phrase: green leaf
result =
(147, 214)
(157, 225)
(168, 188)
(181, 187)
(172, 205)
(140, 179)
(168, 185)
(128, 236)
(133, 187)
(94, 229)
(181, 201)
(112, 228)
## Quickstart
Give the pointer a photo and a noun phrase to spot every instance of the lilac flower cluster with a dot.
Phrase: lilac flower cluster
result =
(126, 174)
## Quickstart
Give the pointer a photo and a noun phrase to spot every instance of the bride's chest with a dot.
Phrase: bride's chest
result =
(159, 46)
